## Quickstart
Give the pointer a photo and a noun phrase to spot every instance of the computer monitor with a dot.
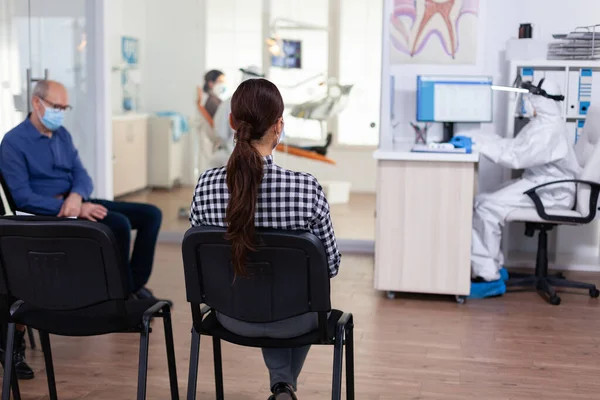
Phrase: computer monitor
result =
(291, 55)
(451, 99)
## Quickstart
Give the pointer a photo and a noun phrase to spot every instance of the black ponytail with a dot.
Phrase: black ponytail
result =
(256, 106)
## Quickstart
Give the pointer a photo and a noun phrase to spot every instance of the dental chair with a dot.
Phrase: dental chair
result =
(540, 219)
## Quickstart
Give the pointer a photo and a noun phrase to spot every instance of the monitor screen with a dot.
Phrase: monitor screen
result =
(291, 56)
(454, 99)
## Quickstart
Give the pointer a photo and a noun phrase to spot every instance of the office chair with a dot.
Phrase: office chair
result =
(73, 284)
(8, 207)
(543, 220)
(287, 276)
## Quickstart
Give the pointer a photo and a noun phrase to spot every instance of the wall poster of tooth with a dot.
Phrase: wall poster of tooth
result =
(434, 31)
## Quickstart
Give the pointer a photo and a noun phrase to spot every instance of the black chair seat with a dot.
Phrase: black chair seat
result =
(98, 319)
(212, 327)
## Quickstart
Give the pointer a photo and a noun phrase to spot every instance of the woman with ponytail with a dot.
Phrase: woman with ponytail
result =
(253, 192)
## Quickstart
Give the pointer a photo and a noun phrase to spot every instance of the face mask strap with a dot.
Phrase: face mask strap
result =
(538, 91)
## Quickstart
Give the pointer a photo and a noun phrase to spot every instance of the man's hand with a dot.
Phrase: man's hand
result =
(71, 206)
(93, 212)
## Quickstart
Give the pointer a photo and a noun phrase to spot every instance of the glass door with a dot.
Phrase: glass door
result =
(41, 39)
(59, 51)
(14, 62)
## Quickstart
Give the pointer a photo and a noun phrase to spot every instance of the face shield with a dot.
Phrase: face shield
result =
(251, 72)
(540, 98)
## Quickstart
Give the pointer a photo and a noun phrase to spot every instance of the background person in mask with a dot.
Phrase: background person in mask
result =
(214, 87)
(45, 176)
(223, 130)
(543, 150)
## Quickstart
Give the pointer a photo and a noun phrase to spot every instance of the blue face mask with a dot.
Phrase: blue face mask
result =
(282, 136)
(52, 118)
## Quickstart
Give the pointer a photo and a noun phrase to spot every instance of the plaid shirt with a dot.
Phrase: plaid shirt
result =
(287, 200)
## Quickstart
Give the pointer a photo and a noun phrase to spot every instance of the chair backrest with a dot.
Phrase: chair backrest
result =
(287, 275)
(587, 151)
(59, 264)
(7, 203)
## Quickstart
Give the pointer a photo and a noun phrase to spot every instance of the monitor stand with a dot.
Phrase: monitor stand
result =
(448, 132)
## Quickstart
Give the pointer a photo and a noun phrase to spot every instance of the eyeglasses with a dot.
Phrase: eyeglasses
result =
(57, 106)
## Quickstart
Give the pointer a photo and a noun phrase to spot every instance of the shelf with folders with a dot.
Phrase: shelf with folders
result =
(579, 80)
(580, 44)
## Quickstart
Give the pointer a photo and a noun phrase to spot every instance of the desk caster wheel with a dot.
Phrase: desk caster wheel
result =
(554, 300)
(461, 299)
(390, 295)
(594, 293)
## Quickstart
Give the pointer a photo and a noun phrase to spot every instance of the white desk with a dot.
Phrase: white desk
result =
(424, 219)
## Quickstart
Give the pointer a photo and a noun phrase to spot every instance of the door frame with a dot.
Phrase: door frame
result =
(100, 90)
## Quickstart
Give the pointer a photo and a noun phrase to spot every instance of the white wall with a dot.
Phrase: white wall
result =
(175, 54)
(124, 18)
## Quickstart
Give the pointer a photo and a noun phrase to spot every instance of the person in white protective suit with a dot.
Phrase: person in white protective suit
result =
(222, 129)
(543, 150)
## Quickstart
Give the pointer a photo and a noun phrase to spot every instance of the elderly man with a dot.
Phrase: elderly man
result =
(46, 177)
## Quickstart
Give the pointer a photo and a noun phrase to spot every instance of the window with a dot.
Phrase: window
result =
(233, 37)
(302, 85)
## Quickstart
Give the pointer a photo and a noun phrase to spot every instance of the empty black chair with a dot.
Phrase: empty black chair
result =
(66, 277)
(287, 276)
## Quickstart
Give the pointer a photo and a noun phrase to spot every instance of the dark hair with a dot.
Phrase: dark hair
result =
(256, 106)
(211, 76)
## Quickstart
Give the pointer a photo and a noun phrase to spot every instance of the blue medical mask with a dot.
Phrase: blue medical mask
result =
(53, 118)
(281, 136)
(219, 89)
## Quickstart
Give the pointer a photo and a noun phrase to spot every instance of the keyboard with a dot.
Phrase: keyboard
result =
(437, 148)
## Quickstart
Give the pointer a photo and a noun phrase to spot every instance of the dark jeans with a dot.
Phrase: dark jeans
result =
(122, 217)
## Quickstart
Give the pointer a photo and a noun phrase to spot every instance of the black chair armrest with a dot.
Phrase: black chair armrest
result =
(539, 206)
(345, 320)
(153, 311)
(204, 309)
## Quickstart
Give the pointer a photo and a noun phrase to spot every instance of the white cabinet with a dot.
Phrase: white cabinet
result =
(130, 153)
(423, 225)
(165, 153)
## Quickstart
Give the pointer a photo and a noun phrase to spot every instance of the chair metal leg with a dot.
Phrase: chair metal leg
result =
(46, 348)
(8, 362)
(143, 363)
(545, 287)
(194, 358)
(15, 386)
(338, 358)
(31, 337)
(170, 354)
(218, 368)
(570, 284)
(350, 361)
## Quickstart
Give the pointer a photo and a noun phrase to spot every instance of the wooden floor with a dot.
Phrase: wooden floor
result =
(414, 347)
(355, 220)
